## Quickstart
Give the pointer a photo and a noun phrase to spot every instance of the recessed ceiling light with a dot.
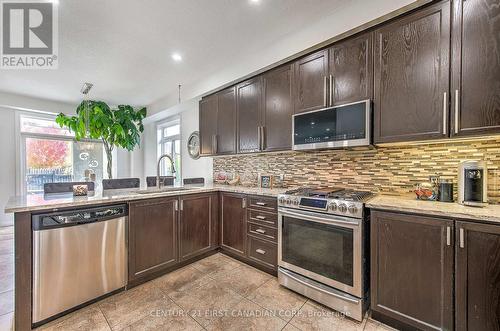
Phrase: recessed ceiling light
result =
(254, 1)
(55, 2)
(176, 57)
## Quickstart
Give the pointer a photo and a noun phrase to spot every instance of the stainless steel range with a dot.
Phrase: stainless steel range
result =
(323, 247)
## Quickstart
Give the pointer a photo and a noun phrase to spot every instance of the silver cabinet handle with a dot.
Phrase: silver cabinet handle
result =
(182, 205)
(332, 82)
(445, 110)
(261, 204)
(448, 236)
(176, 205)
(259, 138)
(325, 98)
(260, 217)
(462, 239)
(260, 251)
(457, 118)
(263, 138)
(214, 144)
(260, 231)
(243, 203)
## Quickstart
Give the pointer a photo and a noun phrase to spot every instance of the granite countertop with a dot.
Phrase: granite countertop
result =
(408, 203)
(34, 202)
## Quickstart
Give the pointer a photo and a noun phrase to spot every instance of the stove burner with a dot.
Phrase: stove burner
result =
(350, 195)
(330, 193)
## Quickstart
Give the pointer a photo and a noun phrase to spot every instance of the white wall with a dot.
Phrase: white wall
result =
(189, 122)
(8, 152)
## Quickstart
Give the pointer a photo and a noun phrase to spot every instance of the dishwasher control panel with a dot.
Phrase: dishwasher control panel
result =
(79, 216)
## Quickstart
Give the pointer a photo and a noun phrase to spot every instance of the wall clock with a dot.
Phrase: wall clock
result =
(193, 145)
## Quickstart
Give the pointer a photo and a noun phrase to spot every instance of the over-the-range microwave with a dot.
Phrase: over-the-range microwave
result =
(342, 126)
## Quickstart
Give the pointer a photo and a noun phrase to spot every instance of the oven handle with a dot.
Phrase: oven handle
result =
(327, 219)
(346, 298)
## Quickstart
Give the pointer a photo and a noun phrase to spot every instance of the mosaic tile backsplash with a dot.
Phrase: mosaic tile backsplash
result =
(388, 169)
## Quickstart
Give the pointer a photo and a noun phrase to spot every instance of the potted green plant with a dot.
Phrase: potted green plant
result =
(120, 127)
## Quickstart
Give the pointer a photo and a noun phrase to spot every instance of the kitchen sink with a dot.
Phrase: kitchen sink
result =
(164, 189)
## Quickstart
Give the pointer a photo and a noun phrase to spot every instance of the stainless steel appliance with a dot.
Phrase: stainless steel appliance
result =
(343, 126)
(323, 247)
(78, 256)
(473, 183)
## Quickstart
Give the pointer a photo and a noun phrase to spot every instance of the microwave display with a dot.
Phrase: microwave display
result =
(331, 125)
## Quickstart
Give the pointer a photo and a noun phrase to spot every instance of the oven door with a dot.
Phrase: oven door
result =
(325, 248)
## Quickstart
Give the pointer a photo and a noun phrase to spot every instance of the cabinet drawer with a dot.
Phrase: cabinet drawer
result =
(262, 251)
(264, 218)
(263, 203)
(262, 231)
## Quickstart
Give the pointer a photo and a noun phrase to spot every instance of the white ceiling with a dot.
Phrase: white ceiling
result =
(124, 47)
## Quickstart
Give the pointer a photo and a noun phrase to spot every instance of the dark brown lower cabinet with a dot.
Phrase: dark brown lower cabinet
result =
(152, 236)
(198, 224)
(477, 289)
(412, 271)
(233, 223)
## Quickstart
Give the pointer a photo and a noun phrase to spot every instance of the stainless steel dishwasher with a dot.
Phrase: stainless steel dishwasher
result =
(78, 256)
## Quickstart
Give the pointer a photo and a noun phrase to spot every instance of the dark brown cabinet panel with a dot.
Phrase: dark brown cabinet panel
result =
(475, 67)
(249, 104)
(310, 82)
(412, 270)
(351, 68)
(152, 236)
(263, 252)
(477, 289)
(226, 122)
(278, 109)
(197, 224)
(233, 223)
(208, 124)
(411, 80)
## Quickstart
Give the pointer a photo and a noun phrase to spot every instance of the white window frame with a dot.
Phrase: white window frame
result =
(21, 146)
(161, 126)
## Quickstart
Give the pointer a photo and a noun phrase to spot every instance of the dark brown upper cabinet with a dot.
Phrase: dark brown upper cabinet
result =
(225, 141)
(311, 82)
(278, 109)
(249, 105)
(233, 223)
(208, 124)
(475, 67)
(152, 236)
(351, 70)
(218, 123)
(477, 276)
(411, 81)
(198, 224)
(412, 270)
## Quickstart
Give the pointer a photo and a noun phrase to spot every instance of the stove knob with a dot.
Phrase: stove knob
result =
(333, 206)
(288, 201)
(295, 202)
(282, 200)
(342, 207)
(353, 209)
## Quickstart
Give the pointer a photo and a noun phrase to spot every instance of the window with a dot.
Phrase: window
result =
(51, 154)
(169, 142)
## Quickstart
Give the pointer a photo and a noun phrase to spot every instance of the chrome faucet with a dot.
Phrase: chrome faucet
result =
(158, 184)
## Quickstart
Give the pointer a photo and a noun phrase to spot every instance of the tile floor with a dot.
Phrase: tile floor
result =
(216, 293)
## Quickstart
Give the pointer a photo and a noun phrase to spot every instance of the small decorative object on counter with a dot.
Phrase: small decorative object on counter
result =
(445, 190)
(80, 190)
(266, 181)
(235, 180)
(426, 191)
(221, 177)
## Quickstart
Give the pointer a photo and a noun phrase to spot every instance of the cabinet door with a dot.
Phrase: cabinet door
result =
(208, 124)
(226, 122)
(278, 109)
(152, 236)
(233, 223)
(412, 270)
(351, 68)
(249, 104)
(411, 86)
(475, 67)
(477, 289)
(197, 224)
(310, 82)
